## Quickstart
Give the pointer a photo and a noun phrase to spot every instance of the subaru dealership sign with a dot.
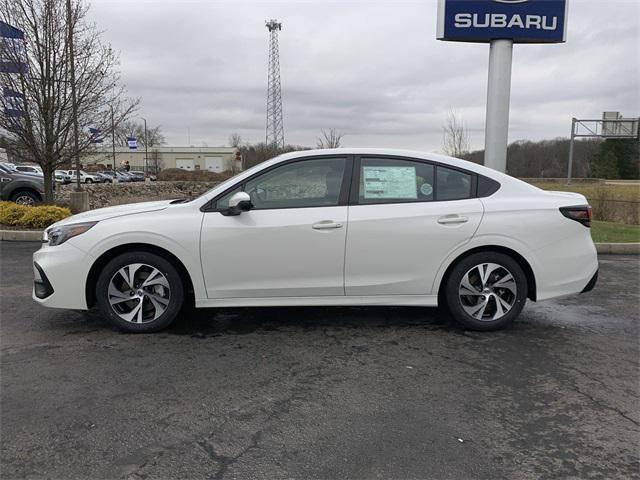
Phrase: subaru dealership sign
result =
(522, 21)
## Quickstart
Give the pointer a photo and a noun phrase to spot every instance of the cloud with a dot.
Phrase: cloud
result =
(372, 70)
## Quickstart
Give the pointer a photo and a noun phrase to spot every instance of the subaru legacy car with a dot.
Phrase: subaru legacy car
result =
(327, 227)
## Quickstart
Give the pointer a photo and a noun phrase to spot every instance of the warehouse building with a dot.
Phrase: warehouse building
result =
(213, 159)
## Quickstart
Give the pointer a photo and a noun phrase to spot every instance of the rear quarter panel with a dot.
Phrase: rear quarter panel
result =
(560, 251)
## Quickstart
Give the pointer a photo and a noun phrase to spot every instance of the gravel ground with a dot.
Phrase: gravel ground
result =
(322, 392)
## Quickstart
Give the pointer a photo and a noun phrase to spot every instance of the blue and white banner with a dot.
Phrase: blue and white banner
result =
(95, 135)
(523, 21)
(132, 142)
(13, 103)
(12, 50)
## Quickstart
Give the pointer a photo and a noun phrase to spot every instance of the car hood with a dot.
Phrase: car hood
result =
(118, 211)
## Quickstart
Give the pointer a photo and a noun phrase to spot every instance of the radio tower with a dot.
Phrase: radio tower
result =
(275, 128)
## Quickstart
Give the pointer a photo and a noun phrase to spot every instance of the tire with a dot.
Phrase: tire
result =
(491, 304)
(152, 307)
(88, 180)
(25, 197)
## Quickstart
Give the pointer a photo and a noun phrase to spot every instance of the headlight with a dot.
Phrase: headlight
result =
(59, 235)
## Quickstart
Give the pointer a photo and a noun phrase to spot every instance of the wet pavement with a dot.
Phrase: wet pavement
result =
(322, 392)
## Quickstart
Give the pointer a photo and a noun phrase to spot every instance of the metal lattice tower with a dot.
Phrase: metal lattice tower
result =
(275, 127)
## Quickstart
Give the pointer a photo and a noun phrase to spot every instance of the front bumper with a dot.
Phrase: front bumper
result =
(65, 269)
(41, 285)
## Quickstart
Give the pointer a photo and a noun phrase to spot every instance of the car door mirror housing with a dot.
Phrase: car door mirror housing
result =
(238, 203)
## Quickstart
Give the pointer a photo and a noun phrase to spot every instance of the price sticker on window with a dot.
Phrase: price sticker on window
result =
(389, 182)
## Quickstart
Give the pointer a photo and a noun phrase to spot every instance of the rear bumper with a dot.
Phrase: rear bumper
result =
(591, 284)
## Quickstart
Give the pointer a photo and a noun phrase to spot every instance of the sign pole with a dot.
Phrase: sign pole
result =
(571, 142)
(498, 95)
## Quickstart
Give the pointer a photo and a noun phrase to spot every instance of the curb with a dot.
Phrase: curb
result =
(602, 248)
(21, 235)
(618, 248)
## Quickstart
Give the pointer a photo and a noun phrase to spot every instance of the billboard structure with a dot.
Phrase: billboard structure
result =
(612, 125)
(501, 23)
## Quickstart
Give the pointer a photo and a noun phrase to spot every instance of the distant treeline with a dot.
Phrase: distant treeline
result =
(591, 158)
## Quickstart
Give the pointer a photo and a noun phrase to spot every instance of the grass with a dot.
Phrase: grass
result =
(618, 203)
(609, 232)
(595, 191)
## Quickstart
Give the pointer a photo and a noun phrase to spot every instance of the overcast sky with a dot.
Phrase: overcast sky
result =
(372, 70)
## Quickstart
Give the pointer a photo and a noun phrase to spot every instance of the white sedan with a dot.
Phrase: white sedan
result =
(327, 227)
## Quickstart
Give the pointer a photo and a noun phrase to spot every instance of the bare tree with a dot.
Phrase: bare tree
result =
(329, 139)
(40, 129)
(235, 140)
(455, 137)
(129, 128)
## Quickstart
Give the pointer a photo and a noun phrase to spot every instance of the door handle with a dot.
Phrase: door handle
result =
(452, 219)
(326, 225)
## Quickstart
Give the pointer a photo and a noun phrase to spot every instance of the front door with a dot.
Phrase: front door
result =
(406, 217)
(291, 244)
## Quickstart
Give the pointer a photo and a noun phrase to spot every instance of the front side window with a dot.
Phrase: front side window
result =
(390, 180)
(302, 184)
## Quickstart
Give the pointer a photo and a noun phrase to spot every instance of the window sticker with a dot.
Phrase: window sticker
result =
(389, 182)
(426, 189)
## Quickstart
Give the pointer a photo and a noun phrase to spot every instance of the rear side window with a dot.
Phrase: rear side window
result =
(390, 180)
(452, 184)
(487, 186)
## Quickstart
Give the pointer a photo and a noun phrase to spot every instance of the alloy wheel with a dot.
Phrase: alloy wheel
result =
(24, 199)
(139, 293)
(487, 291)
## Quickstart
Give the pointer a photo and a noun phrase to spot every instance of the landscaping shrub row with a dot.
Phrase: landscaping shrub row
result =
(40, 216)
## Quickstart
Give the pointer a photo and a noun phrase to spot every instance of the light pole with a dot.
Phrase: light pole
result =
(113, 139)
(146, 151)
(74, 105)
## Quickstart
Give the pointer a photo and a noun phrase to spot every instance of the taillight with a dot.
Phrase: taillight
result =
(580, 213)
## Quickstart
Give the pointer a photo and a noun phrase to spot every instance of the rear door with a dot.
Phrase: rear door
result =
(405, 217)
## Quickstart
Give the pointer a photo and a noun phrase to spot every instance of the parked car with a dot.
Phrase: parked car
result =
(119, 176)
(20, 187)
(327, 227)
(103, 177)
(135, 177)
(84, 176)
(35, 170)
(140, 173)
(62, 177)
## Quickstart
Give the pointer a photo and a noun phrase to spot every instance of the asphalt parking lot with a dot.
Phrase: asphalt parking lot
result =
(322, 392)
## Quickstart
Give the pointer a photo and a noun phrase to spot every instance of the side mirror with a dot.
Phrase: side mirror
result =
(238, 203)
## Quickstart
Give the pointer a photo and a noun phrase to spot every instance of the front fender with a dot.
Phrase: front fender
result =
(180, 238)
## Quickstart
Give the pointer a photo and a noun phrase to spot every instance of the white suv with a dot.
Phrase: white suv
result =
(327, 227)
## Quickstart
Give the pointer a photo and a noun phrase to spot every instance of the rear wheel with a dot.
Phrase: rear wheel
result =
(486, 291)
(140, 292)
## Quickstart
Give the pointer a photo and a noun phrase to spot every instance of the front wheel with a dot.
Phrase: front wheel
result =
(88, 180)
(486, 291)
(140, 292)
(25, 197)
